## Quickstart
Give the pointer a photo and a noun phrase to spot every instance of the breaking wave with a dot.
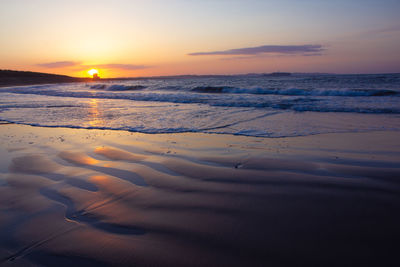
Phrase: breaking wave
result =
(355, 101)
(117, 87)
(255, 106)
(295, 91)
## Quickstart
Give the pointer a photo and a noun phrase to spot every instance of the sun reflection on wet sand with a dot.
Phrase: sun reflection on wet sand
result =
(98, 178)
(77, 158)
(118, 154)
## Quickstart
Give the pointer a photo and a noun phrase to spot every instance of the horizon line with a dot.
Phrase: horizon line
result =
(199, 75)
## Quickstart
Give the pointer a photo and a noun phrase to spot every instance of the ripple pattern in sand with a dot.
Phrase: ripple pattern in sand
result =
(215, 206)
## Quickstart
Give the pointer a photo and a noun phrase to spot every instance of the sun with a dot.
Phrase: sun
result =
(93, 71)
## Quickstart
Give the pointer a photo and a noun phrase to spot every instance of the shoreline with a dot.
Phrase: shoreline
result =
(374, 144)
(99, 197)
(3, 121)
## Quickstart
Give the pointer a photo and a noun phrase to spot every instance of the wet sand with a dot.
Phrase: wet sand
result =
(98, 198)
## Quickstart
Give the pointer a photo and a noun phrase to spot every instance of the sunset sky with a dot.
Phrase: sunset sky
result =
(124, 38)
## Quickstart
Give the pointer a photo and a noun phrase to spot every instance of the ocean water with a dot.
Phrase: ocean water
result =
(253, 105)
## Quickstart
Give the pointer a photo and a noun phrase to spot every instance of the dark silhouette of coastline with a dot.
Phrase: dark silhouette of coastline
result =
(278, 74)
(12, 78)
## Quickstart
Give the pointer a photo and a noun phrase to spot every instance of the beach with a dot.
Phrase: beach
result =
(199, 133)
(95, 197)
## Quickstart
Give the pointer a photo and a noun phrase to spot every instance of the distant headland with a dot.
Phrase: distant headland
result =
(278, 74)
(15, 78)
(12, 77)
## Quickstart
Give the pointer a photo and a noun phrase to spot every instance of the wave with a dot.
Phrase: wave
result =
(295, 91)
(122, 128)
(213, 89)
(117, 87)
(295, 99)
(254, 132)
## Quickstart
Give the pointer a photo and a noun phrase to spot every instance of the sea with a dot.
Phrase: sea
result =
(251, 105)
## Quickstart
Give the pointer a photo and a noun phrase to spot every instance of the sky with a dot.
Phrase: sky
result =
(128, 38)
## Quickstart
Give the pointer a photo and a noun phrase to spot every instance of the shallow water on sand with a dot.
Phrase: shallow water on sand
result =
(92, 197)
(250, 105)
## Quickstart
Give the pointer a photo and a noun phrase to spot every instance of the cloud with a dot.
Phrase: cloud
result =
(59, 64)
(317, 54)
(266, 49)
(390, 29)
(270, 56)
(79, 65)
(121, 66)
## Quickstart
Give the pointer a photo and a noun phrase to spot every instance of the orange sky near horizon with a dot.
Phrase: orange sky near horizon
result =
(134, 38)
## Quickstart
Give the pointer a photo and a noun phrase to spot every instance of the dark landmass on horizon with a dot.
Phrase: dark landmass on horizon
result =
(15, 78)
(12, 78)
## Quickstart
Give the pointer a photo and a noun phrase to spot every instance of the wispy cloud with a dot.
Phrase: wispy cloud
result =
(265, 49)
(59, 64)
(122, 66)
(390, 29)
(79, 65)
(370, 34)
(270, 56)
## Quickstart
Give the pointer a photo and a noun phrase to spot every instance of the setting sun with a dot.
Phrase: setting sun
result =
(93, 71)
(242, 132)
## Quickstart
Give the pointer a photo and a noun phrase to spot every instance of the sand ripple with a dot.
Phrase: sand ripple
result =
(102, 205)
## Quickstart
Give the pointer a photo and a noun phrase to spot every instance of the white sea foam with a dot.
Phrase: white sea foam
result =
(234, 105)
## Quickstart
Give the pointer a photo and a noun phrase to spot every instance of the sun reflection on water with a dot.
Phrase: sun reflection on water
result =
(94, 114)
